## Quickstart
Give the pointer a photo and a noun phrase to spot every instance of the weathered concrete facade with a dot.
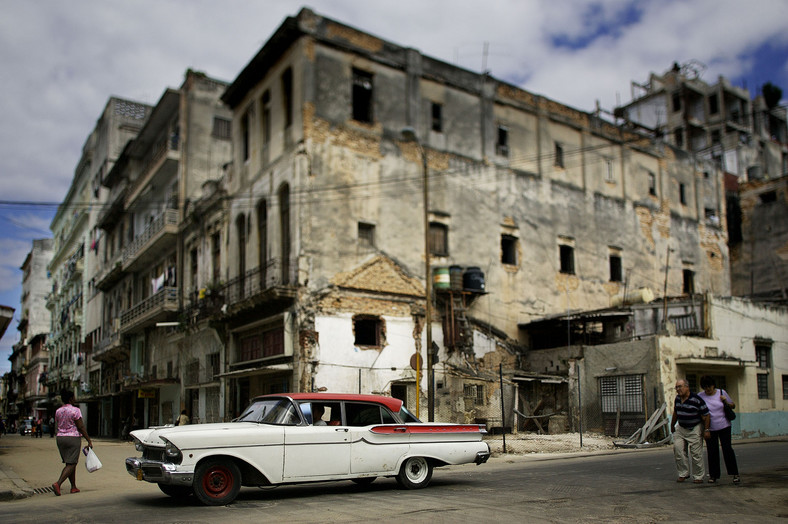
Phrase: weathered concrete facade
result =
(153, 227)
(30, 356)
(629, 373)
(759, 259)
(560, 209)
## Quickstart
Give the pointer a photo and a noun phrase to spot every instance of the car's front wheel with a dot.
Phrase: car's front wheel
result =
(217, 482)
(415, 473)
(175, 491)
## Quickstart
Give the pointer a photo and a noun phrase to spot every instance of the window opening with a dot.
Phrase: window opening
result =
(287, 96)
(688, 286)
(437, 117)
(508, 250)
(362, 96)
(502, 145)
(559, 155)
(567, 259)
(615, 268)
(652, 184)
(439, 239)
(683, 194)
(366, 234)
(221, 128)
(367, 331)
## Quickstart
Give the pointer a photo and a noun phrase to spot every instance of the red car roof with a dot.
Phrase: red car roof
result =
(394, 404)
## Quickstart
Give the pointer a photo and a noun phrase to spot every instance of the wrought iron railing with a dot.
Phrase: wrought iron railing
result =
(165, 298)
(256, 281)
(168, 218)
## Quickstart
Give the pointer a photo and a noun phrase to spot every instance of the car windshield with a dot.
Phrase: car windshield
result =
(271, 411)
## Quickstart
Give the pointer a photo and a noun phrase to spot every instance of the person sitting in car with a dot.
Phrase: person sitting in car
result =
(317, 415)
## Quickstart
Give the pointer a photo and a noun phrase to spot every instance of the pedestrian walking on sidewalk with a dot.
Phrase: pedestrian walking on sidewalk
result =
(720, 430)
(70, 430)
(692, 416)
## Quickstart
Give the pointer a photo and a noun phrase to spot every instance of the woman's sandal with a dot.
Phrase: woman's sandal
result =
(736, 479)
(712, 480)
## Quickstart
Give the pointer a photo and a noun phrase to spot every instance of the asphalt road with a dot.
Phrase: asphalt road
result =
(630, 486)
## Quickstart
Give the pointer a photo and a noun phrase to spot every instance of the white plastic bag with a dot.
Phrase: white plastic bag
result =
(92, 462)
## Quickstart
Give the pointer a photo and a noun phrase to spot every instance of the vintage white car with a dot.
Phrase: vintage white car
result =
(302, 437)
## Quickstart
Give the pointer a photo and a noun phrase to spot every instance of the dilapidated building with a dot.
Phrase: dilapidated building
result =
(534, 207)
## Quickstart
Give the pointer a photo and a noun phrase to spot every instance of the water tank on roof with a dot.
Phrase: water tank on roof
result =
(473, 279)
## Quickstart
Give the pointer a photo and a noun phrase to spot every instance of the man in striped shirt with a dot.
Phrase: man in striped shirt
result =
(692, 414)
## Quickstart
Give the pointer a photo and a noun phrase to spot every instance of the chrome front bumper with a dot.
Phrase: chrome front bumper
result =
(158, 472)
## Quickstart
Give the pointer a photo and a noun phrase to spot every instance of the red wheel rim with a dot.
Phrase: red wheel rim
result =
(217, 482)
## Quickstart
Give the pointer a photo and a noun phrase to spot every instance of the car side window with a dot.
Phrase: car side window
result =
(362, 414)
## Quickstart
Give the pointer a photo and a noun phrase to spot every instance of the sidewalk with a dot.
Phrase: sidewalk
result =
(29, 466)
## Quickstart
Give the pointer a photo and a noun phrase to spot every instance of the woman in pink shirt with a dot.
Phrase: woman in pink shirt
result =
(70, 429)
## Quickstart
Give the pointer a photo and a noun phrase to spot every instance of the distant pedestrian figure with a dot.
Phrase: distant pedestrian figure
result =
(183, 419)
(51, 427)
(692, 416)
(70, 429)
(39, 428)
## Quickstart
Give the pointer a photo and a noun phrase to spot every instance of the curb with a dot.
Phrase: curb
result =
(21, 489)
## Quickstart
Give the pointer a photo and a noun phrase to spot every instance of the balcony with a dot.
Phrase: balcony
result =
(111, 273)
(157, 238)
(275, 283)
(162, 164)
(156, 308)
(112, 214)
(111, 348)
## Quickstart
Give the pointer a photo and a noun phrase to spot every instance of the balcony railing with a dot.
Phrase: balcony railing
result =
(110, 273)
(163, 149)
(160, 225)
(257, 281)
(151, 309)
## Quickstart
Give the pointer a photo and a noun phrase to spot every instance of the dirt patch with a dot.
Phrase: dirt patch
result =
(561, 443)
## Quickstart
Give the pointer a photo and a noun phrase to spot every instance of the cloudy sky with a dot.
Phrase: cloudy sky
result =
(61, 61)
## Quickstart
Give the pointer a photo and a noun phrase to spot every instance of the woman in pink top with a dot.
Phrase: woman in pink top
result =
(720, 436)
(70, 429)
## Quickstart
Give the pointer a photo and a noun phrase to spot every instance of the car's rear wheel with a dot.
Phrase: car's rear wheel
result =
(175, 491)
(364, 481)
(217, 482)
(415, 473)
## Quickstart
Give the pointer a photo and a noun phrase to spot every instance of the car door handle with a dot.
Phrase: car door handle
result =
(341, 429)
(401, 430)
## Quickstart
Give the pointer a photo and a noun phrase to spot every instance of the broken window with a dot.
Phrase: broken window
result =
(688, 286)
(567, 254)
(615, 267)
(502, 143)
(439, 239)
(367, 331)
(768, 197)
(509, 250)
(652, 184)
(366, 234)
(287, 96)
(221, 128)
(678, 135)
(362, 96)
(559, 155)
(714, 104)
(437, 117)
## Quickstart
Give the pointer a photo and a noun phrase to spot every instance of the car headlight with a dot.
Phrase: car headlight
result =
(171, 451)
(138, 445)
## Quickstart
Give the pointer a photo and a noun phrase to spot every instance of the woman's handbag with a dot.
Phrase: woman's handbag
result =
(729, 413)
(92, 462)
